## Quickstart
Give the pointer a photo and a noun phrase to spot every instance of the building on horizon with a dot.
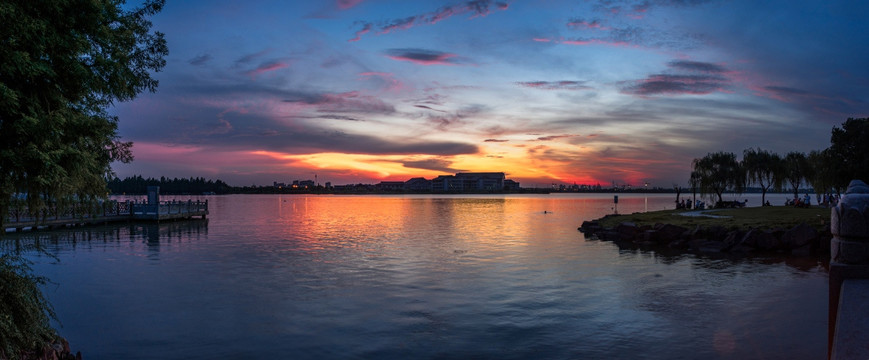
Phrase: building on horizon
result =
(473, 182)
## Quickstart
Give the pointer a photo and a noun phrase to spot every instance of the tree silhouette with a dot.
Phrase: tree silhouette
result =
(718, 172)
(62, 65)
(796, 169)
(764, 168)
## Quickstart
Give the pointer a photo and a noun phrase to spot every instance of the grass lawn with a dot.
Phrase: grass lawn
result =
(765, 217)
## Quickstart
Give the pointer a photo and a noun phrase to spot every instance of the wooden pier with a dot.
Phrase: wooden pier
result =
(53, 216)
(170, 210)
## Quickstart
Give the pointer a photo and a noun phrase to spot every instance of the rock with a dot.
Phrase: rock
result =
(804, 250)
(799, 236)
(590, 226)
(755, 236)
(767, 242)
(679, 244)
(609, 235)
(628, 231)
(695, 234)
(667, 233)
(715, 233)
(732, 239)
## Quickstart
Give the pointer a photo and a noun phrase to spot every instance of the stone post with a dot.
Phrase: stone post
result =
(849, 248)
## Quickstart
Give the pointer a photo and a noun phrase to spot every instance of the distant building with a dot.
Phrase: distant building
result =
(465, 182)
(391, 186)
(418, 184)
(510, 185)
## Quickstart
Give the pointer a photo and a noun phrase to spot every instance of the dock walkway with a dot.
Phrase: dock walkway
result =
(110, 211)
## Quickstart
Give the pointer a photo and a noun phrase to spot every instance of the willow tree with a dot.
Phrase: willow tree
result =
(796, 170)
(764, 168)
(718, 172)
(823, 174)
(63, 63)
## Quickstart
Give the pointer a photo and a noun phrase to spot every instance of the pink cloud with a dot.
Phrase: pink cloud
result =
(392, 84)
(365, 29)
(267, 67)
(424, 57)
(352, 101)
(346, 4)
(594, 42)
(477, 8)
(556, 85)
(583, 24)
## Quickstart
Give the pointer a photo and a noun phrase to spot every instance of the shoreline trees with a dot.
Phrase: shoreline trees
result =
(827, 171)
(62, 65)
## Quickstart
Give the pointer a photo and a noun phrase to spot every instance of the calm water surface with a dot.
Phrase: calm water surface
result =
(397, 277)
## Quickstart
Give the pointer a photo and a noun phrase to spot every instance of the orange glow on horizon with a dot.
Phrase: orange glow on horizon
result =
(516, 164)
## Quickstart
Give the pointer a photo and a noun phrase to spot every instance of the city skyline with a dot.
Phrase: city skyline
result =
(547, 91)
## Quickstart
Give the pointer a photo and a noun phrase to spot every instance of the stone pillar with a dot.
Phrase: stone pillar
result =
(153, 195)
(849, 248)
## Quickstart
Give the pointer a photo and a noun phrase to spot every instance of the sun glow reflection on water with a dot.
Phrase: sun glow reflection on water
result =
(418, 277)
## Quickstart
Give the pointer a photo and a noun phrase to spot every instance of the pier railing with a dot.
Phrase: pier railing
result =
(163, 208)
(54, 213)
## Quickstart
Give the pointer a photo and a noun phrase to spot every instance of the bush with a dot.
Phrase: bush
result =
(25, 314)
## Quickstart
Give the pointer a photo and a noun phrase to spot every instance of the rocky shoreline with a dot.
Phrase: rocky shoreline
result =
(800, 240)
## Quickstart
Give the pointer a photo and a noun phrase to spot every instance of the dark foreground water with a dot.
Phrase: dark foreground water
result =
(415, 277)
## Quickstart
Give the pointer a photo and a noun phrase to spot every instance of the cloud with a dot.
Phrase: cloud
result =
(577, 23)
(495, 140)
(266, 67)
(364, 30)
(338, 117)
(476, 8)
(200, 60)
(428, 108)
(346, 4)
(676, 84)
(637, 9)
(584, 41)
(424, 57)
(697, 66)
(431, 164)
(555, 85)
(701, 78)
(554, 137)
(387, 80)
(784, 91)
(244, 60)
(347, 102)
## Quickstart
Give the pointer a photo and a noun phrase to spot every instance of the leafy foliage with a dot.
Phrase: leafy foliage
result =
(24, 312)
(139, 185)
(796, 169)
(62, 64)
(718, 172)
(849, 152)
(763, 168)
(823, 174)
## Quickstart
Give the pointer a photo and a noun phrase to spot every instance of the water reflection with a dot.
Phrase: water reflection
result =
(720, 261)
(147, 235)
(417, 277)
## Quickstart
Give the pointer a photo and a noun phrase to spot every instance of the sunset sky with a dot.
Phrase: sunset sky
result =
(547, 91)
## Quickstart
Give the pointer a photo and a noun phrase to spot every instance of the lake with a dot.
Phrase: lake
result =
(416, 276)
